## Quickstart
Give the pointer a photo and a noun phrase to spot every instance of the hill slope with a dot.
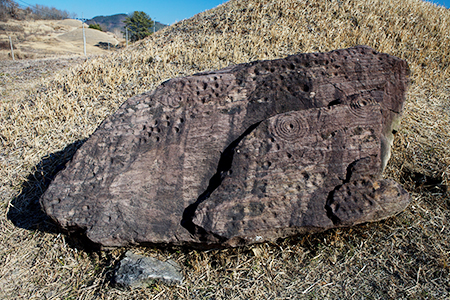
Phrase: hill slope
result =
(405, 257)
(46, 38)
(115, 23)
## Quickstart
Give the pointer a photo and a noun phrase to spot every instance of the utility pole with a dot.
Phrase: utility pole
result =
(12, 50)
(84, 35)
(126, 35)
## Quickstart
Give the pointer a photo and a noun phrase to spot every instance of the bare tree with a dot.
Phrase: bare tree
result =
(8, 9)
(49, 13)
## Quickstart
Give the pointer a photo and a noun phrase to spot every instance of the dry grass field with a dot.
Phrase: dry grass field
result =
(34, 39)
(404, 257)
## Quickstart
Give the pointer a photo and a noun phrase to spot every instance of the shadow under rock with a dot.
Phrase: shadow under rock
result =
(25, 210)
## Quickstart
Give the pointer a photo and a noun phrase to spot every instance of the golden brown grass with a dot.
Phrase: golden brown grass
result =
(47, 38)
(403, 257)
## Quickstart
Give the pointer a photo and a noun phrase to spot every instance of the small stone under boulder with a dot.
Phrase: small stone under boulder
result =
(247, 154)
(137, 271)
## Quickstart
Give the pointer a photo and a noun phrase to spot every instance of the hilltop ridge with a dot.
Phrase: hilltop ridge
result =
(114, 23)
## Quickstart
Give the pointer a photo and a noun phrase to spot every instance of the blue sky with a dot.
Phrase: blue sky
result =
(164, 11)
(445, 3)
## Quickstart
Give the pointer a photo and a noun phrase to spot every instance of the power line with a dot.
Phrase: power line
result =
(34, 7)
(29, 5)
(24, 2)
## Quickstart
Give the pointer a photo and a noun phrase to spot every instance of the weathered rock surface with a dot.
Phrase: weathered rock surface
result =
(246, 154)
(138, 271)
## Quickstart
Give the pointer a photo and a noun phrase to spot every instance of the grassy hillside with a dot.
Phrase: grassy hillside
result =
(48, 38)
(404, 257)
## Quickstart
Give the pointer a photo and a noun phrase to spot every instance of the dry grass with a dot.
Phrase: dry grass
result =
(47, 38)
(403, 257)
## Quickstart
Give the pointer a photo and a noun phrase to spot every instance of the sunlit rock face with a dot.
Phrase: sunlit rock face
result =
(246, 154)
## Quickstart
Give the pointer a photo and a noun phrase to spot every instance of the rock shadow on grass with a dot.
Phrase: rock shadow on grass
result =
(25, 210)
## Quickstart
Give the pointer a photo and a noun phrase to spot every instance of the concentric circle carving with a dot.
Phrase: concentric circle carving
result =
(361, 107)
(289, 126)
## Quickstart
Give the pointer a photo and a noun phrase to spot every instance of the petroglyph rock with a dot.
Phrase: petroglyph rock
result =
(246, 154)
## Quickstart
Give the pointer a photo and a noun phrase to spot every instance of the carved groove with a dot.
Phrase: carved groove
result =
(289, 127)
(361, 107)
(223, 169)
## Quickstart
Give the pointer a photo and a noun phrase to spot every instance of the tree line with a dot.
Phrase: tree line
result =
(9, 9)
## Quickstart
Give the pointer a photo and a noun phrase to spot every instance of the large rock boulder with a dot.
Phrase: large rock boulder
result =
(250, 153)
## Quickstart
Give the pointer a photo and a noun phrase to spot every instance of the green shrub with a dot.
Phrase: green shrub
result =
(95, 26)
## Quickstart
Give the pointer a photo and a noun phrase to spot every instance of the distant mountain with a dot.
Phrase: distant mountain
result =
(115, 23)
